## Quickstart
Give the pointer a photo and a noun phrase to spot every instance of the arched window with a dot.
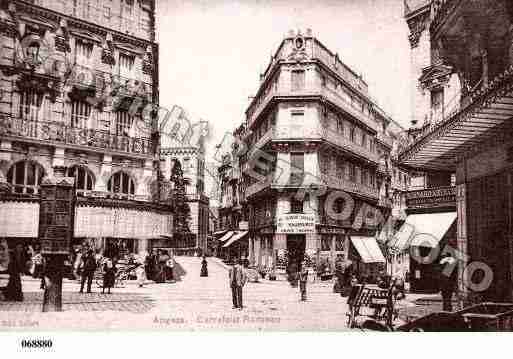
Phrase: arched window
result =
(84, 180)
(25, 177)
(120, 182)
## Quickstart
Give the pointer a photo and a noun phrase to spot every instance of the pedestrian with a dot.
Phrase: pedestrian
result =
(10, 274)
(237, 279)
(109, 275)
(170, 265)
(303, 278)
(204, 269)
(448, 279)
(140, 271)
(88, 269)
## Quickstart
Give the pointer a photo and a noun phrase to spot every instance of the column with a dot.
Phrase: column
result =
(332, 251)
(461, 210)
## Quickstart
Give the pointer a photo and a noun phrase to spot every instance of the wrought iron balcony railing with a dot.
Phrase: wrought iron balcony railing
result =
(350, 186)
(343, 142)
(326, 93)
(58, 133)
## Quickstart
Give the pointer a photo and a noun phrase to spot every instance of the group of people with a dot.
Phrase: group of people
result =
(159, 266)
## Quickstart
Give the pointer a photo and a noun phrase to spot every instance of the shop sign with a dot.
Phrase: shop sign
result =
(330, 230)
(295, 223)
(437, 197)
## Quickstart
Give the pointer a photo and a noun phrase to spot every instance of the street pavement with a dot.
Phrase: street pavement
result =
(194, 303)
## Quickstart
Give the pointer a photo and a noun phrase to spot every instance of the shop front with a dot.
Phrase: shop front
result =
(425, 236)
(367, 257)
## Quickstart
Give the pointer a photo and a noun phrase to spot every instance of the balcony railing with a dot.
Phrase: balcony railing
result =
(349, 186)
(330, 95)
(341, 141)
(383, 138)
(385, 202)
(441, 10)
(259, 186)
(262, 141)
(58, 133)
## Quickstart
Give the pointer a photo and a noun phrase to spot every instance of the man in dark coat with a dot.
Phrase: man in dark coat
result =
(303, 279)
(88, 269)
(448, 281)
(237, 279)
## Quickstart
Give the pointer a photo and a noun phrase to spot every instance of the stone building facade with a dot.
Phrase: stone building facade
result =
(314, 143)
(78, 82)
(466, 48)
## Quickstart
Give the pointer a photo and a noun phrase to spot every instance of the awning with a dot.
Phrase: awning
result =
(368, 249)
(226, 237)
(425, 230)
(235, 238)
(220, 233)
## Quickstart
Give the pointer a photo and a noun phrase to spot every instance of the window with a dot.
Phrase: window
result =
(83, 52)
(296, 124)
(121, 182)
(352, 172)
(371, 179)
(323, 81)
(297, 164)
(80, 112)
(33, 53)
(340, 126)
(25, 177)
(83, 178)
(437, 104)
(352, 134)
(145, 21)
(30, 105)
(364, 176)
(126, 65)
(106, 12)
(296, 206)
(298, 80)
(364, 140)
(325, 242)
(123, 123)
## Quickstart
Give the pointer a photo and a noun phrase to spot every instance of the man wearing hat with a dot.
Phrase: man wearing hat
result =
(237, 279)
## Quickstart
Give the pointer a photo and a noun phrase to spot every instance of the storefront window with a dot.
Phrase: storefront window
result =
(83, 178)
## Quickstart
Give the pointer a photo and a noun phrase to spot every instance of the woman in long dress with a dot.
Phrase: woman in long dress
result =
(140, 271)
(204, 269)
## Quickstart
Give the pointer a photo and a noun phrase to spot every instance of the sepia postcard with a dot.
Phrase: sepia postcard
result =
(246, 165)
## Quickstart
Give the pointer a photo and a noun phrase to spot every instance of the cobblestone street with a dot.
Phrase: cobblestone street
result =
(193, 303)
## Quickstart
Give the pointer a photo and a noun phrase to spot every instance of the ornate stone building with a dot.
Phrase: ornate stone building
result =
(79, 80)
(462, 56)
(314, 143)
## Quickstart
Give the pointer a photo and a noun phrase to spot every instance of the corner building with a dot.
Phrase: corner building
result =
(312, 123)
(56, 55)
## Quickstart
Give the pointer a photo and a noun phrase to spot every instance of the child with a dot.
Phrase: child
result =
(109, 275)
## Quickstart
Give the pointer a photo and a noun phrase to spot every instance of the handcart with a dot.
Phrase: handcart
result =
(486, 316)
(374, 303)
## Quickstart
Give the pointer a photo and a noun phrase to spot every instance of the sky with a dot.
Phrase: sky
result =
(212, 51)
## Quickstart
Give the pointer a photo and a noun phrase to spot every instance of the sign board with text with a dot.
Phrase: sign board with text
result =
(56, 213)
(295, 223)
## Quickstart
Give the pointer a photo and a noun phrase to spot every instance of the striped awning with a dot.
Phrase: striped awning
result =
(226, 237)
(235, 238)
(368, 249)
(423, 230)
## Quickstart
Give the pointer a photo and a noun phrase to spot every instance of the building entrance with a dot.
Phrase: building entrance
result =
(296, 245)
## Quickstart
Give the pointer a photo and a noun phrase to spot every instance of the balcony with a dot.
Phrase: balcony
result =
(385, 202)
(337, 139)
(332, 96)
(431, 197)
(350, 186)
(55, 133)
(383, 169)
(383, 138)
(262, 141)
(259, 186)
(442, 9)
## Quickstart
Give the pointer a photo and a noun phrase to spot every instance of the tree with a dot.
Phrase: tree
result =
(181, 209)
